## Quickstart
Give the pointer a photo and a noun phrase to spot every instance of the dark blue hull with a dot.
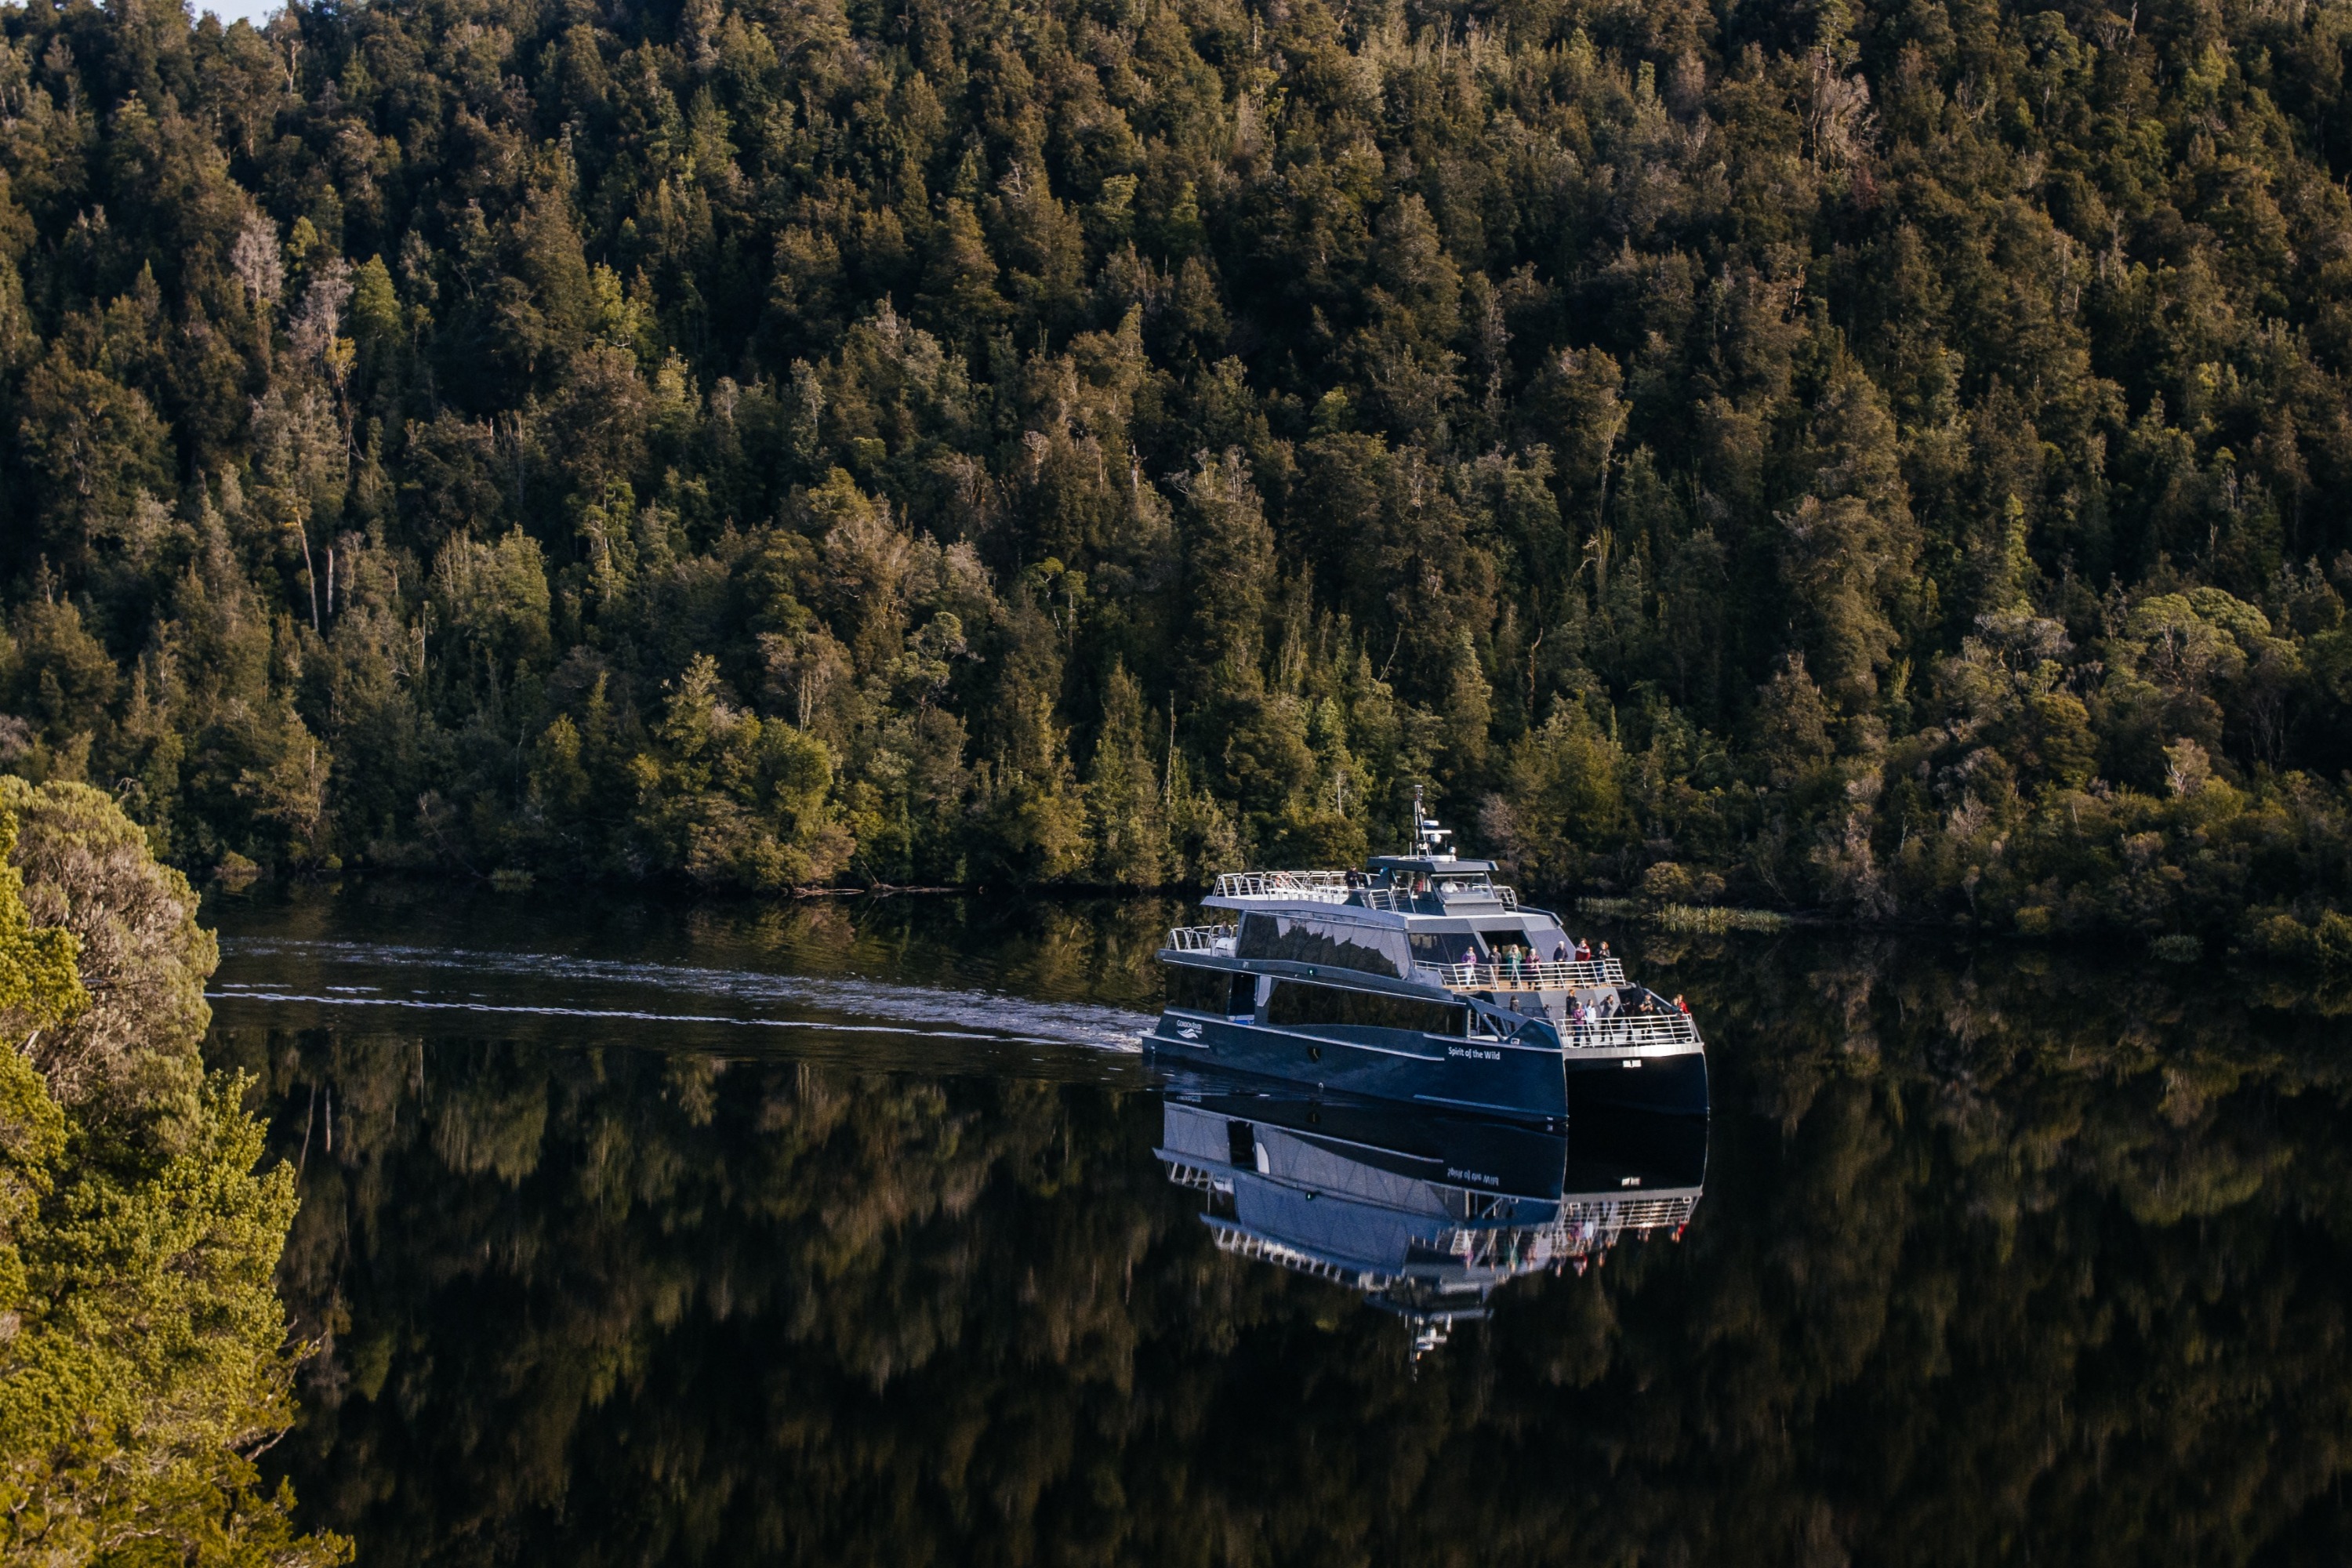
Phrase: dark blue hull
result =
(1664, 1085)
(1492, 1076)
(1487, 1076)
(1602, 1150)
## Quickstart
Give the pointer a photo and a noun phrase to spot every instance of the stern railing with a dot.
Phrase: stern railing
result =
(1595, 1225)
(1202, 938)
(1671, 1027)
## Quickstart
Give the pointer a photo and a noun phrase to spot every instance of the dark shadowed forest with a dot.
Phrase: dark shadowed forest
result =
(1887, 460)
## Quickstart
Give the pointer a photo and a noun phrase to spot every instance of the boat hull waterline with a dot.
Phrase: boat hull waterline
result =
(1488, 1077)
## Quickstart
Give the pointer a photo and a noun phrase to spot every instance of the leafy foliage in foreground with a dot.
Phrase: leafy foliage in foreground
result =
(1893, 458)
(142, 1344)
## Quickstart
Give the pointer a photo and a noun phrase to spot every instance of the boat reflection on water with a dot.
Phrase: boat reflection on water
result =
(1424, 1213)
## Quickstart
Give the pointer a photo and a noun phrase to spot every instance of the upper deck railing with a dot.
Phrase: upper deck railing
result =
(1334, 888)
(1323, 887)
(1526, 976)
(1204, 938)
(1404, 901)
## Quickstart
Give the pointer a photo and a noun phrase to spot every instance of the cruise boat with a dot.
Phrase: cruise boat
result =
(1420, 979)
(1424, 1213)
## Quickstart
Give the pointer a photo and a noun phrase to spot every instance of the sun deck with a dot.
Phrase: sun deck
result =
(1428, 887)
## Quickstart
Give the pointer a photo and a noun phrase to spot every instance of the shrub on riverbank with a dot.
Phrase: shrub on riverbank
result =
(143, 1357)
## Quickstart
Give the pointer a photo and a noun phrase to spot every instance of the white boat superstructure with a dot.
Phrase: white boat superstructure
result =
(1401, 978)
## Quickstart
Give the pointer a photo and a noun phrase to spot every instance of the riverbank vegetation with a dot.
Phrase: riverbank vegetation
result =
(1892, 460)
(143, 1356)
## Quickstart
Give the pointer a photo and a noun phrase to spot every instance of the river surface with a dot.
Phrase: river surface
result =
(647, 1232)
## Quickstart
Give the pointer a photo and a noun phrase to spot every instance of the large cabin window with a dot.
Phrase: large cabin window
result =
(1447, 947)
(1300, 1004)
(1220, 991)
(1326, 943)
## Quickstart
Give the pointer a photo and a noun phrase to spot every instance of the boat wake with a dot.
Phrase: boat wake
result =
(634, 992)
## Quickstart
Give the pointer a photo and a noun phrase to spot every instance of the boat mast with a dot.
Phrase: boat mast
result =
(1428, 838)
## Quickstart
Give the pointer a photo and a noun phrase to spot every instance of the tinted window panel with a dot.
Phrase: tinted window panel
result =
(1447, 947)
(1330, 945)
(1300, 1004)
(1200, 990)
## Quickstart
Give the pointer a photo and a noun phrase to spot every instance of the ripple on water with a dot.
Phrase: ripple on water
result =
(767, 1001)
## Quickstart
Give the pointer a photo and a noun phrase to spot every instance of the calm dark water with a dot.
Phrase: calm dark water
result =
(665, 1233)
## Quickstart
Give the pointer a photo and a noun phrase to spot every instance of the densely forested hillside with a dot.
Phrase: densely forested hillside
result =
(1893, 458)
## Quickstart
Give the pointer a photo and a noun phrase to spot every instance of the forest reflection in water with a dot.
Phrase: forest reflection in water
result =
(2000, 1254)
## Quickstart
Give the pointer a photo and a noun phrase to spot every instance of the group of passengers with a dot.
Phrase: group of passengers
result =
(1516, 962)
(1612, 1009)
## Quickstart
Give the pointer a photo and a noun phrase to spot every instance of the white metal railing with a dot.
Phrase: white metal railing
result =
(1197, 1177)
(1202, 938)
(1323, 887)
(1332, 887)
(1245, 1244)
(1595, 1225)
(1544, 976)
(1583, 1229)
(1671, 1027)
